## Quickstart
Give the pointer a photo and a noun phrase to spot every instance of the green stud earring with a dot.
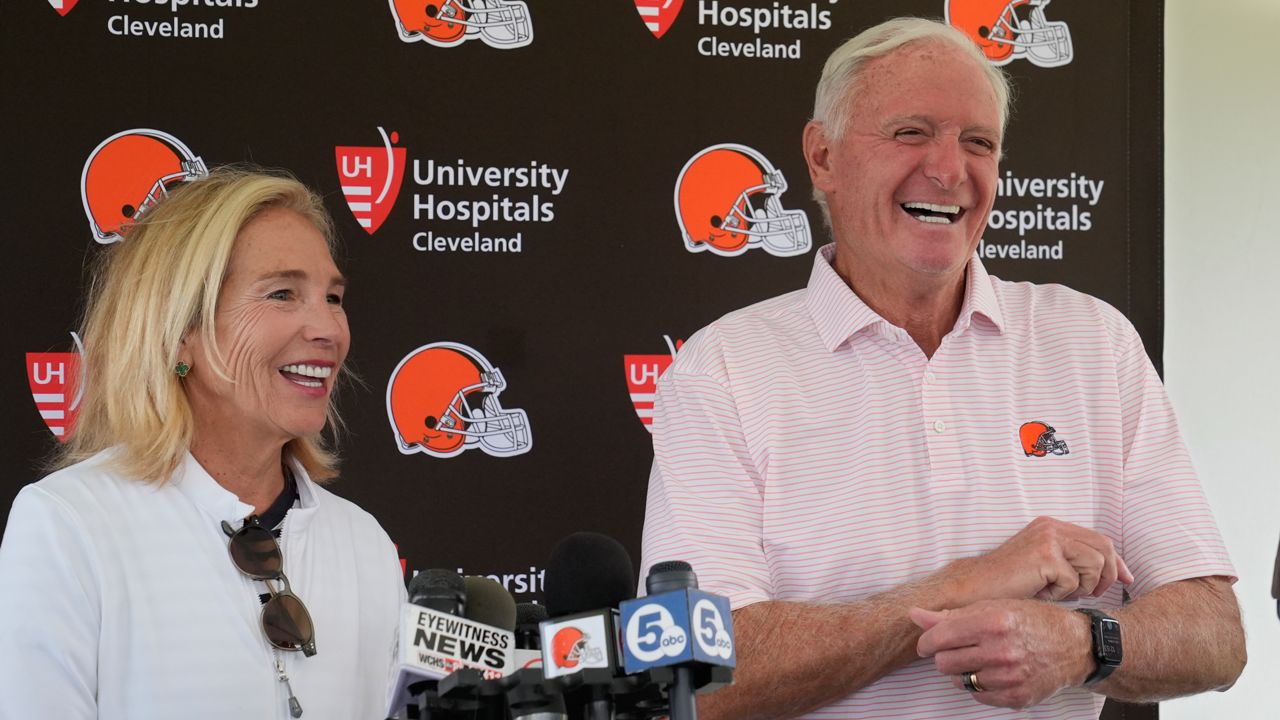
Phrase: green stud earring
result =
(182, 369)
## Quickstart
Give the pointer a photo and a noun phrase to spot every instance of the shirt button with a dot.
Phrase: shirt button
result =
(939, 426)
(929, 377)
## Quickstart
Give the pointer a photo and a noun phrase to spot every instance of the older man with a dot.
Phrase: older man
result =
(911, 477)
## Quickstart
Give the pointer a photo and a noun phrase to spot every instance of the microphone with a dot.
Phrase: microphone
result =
(529, 696)
(528, 639)
(469, 690)
(434, 642)
(521, 695)
(681, 635)
(588, 571)
(489, 603)
(587, 575)
(439, 589)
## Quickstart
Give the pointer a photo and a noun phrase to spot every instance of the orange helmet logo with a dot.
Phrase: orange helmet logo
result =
(442, 399)
(130, 172)
(1006, 30)
(570, 647)
(727, 201)
(502, 24)
(1038, 440)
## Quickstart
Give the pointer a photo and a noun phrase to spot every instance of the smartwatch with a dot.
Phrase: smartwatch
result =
(1108, 652)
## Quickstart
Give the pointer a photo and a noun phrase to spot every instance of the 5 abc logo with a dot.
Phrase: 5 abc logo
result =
(652, 632)
(711, 634)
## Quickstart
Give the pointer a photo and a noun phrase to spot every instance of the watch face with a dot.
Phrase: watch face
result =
(1109, 641)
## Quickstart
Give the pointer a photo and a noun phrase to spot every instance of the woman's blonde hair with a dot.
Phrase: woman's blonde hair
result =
(146, 294)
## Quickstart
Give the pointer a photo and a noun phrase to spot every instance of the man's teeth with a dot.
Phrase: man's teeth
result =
(950, 209)
(314, 371)
(945, 216)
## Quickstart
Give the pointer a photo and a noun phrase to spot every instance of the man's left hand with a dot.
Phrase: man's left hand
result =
(1022, 651)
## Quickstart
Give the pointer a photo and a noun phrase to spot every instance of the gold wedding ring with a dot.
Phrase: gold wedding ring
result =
(970, 680)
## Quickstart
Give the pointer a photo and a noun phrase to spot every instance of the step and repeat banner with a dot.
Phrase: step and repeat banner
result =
(519, 187)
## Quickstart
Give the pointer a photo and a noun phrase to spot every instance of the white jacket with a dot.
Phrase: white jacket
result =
(118, 600)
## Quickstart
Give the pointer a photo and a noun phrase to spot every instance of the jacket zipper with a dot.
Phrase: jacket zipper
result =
(295, 707)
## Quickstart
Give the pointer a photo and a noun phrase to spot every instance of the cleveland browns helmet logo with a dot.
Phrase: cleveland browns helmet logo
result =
(1038, 440)
(130, 172)
(442, 399)
(502, 24)
(570, 647)
(727, 201)
(1006, 30)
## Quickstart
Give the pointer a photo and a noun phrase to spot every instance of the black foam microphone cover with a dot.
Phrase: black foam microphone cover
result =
(439, 589)
(528, 615)
(588, 571)
(670, 575)
(490, 603)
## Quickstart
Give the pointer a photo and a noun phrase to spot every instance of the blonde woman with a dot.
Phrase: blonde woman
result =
(183, 561)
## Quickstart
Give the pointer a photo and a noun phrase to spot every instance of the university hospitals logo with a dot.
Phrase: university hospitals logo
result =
(502, 24)
(1008, 30)
(370, 178)
(643, 372)
(728, 201)
(442, 399)
(63, 6)
(130, 172)
(658, 15)
(54, 378)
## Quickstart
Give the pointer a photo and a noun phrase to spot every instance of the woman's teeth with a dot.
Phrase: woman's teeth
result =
(300, 373)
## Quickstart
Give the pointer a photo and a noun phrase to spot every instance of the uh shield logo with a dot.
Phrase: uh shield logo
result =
(370, 178)
(643, 372)
(658, 15)
(63, 6)
(54, 378)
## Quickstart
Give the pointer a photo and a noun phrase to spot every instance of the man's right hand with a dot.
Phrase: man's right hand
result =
(1049, 560)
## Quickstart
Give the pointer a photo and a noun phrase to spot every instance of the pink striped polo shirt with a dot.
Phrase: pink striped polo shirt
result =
(807, 450)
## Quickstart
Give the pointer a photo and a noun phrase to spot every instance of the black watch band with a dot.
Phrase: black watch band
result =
(1108, 652)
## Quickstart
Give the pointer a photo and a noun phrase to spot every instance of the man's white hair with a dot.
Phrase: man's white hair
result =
(842, 74)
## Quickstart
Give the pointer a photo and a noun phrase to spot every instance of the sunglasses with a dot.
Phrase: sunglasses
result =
(285, 619)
